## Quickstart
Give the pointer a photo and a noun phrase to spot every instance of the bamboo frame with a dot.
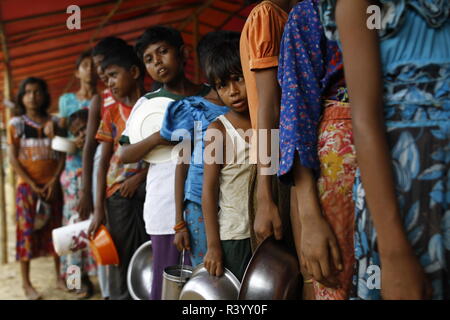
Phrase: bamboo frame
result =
(7, 95)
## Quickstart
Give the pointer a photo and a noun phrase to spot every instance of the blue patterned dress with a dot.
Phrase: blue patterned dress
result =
(71, 184)
(415, 54)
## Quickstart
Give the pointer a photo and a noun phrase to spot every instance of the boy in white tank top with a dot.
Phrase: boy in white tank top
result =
(227, 168)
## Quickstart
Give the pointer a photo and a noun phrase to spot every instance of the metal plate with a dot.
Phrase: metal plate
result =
(272, 274)
(140, 273)
(203, 286)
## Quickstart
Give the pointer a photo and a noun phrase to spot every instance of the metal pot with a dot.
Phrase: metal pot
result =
(273, 273)
(203, 286)
(174, 278)
(140, 272)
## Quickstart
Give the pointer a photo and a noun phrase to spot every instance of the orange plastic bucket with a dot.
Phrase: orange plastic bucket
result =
(103, 247)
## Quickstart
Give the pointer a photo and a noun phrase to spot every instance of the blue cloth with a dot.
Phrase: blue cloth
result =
(415, 55)
(192, 116)
(310, 70)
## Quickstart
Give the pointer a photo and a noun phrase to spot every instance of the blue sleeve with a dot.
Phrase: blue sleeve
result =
(62, 106)
(178, 121)
(301, 68)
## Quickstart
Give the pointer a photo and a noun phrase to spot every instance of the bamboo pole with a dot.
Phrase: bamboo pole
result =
(7, 96)
(196, 62)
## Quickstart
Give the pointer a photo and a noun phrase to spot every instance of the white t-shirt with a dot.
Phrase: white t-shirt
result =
(159, 205)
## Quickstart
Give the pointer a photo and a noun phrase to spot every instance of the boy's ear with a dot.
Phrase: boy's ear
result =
(77, 74)
(185, 52)
(135, 72)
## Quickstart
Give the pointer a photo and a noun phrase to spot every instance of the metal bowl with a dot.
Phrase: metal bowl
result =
(273, 273)
(203, 286)
(140, 273)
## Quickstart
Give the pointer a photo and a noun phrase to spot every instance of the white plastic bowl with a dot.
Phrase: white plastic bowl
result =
(62, 144)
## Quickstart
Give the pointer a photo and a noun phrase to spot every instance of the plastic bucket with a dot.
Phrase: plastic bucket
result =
(103, 248)
(174, 279)
(71, 238)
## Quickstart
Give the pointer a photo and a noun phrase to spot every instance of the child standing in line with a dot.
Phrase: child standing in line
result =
(269, 206)
(317, 153)
(38, 168)
(398, 82)
(191, 234)
(163, 52)
(225, 192)
(70, 103)
(122, 185)
(92, 150)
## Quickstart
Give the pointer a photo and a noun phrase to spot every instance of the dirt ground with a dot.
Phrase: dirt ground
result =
(42, 273)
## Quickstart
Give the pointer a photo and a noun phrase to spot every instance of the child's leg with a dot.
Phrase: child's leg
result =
(60, 284)
(236, 256)
(29, 290)
(197, 233)
(165, 254)
(126, 226)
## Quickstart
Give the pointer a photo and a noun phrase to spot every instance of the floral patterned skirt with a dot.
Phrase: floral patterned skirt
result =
(337, 172)
(34, 243)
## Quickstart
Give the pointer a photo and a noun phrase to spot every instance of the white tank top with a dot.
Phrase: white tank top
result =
(233, 187)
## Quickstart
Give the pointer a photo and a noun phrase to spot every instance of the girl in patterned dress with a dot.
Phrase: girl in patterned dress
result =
(69, 104)
(317, 152)
(398, 71)
(38, 168)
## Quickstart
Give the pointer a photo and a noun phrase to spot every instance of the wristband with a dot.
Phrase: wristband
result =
(180, 226)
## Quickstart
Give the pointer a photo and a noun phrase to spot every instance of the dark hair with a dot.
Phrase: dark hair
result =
(156, 34)
(84, 55)
(223, 62)
(249, 2)
(105, 45)
(82, 114)
(20, 107)
(210, 40)
(124, 57)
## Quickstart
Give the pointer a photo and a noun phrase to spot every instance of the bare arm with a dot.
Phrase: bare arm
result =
(99, 211)
(402, 275)
(210, 199)
(267, 219)
(13, 153)
(90, 145)
(181, 238)
(134, 152)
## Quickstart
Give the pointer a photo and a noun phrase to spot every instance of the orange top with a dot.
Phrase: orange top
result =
(260, 47)
(35, 155)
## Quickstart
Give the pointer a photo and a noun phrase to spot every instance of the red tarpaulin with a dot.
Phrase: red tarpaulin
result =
(39, 43)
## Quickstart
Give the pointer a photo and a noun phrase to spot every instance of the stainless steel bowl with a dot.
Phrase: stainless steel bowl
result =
(140, 273)
(203, 286)
(272, 274)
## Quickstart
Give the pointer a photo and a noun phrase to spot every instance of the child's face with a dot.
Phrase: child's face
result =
(163, 62)
(78, 130)
(233, 93)
(86, 71)
(33, 97)
(119, 80)
(97, 60)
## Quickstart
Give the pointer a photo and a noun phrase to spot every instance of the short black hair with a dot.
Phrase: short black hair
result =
(105, 45)
(124, 57)
(156, 34)
(20, 107)
(82, 56)
(82, 114)
(223, 62)
(210, 40)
